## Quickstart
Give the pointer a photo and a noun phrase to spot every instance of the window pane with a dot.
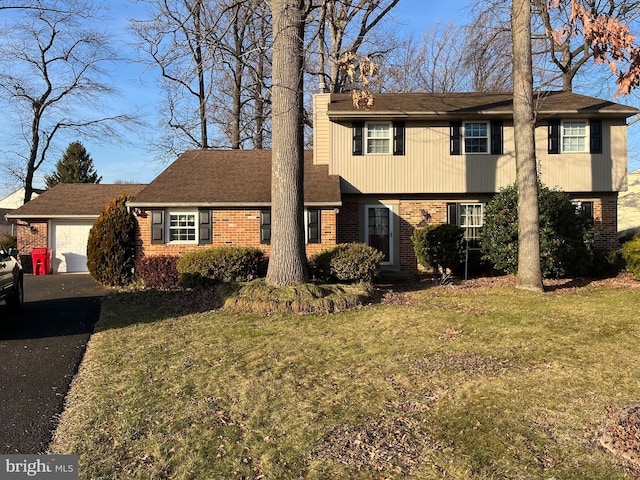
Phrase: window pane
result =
(574, 136)
(182, 227)
(476, 139)
(378, 137)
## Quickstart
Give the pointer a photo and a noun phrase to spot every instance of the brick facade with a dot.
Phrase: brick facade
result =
(231, 227)
(32, 234)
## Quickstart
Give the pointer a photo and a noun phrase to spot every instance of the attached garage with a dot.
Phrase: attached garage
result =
(61, 218)
(69, 241)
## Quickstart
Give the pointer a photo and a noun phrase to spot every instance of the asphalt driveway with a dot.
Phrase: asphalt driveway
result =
(40, 351)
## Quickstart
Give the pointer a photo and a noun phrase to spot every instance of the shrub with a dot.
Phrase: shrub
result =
(347, 262)
(159, 272)
(111, 244)
(631, 256)
(566, 237)
(439, 246)
(220, 264)
(9, 241)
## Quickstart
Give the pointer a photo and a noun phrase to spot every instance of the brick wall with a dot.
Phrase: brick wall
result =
(605, 217)
(32, 234)
(231, 227)
(349, 223)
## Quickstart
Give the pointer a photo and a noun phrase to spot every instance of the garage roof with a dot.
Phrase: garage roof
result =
(67, 200)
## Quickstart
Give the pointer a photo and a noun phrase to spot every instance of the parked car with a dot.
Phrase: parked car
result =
(11, 278)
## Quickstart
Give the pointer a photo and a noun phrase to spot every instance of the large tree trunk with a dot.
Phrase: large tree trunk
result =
(529, 272)
(287, 262)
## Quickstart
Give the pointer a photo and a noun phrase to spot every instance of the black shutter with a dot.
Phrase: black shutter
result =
(157, 226)
(452, 213)
(455, 128)
(398, 138)
(358, 128)
(265, 226)
(204, 227)
(313, 226)
(554, 136)
(496, 137)
(595, 134)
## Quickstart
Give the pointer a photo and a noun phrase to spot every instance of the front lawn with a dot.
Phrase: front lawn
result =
(443, 382)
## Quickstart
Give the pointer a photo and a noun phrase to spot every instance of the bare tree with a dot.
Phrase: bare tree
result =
(53, 74)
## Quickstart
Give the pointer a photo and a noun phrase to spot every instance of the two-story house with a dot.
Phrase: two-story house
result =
(375, 175)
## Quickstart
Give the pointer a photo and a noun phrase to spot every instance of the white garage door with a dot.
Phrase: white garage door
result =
(70, 246)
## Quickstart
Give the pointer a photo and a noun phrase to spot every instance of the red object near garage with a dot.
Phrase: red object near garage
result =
(41, 260)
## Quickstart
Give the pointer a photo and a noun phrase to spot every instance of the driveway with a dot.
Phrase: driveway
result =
(40, 350)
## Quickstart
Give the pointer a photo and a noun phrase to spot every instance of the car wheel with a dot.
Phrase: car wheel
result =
(16, 299)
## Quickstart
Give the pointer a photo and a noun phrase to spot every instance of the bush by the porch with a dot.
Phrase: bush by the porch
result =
(439, 246)
(213, 265)
(159, 272)
(347, 262)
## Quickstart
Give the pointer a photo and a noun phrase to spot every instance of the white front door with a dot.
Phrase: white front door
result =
(379, 230)
(70, 246)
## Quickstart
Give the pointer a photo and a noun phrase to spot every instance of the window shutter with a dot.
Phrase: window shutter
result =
(398, 138)
(554, 136)
(358, 128)
(265, 226)
(313, 226)
(496, 137)
(452, 213)
(157, 226)
(595, 134)
(204, 227)
(455, 128)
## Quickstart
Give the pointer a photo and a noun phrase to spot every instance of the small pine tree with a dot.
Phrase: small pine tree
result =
(75, 166)
(111, 244)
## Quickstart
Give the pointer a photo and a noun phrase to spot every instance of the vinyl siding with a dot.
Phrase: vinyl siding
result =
(321, 130)
(428, 166)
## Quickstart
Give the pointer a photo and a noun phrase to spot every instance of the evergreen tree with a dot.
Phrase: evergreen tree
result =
(75, 166)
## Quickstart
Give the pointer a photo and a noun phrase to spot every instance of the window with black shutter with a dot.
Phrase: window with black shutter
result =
(496, 137)
(358, 128)
(398, 138)
(554, 136)
(455, 140)
(595, 136)
(204, 227)
(157, 227)
(265, 226)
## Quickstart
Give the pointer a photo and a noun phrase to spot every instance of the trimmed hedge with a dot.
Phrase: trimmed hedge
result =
(209, 266)
(440, 246)
(159, 272)
(347, 262)
(631, 256)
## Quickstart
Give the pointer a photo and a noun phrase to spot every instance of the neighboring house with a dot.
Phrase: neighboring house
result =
(61, 218)
(629, 206)
(7, 205)
(375, 175)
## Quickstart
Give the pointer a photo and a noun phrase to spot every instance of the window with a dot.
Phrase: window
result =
(378, 137)
(189, 226)
(584, 209)
(182, 227)
(469, 216)
(476, 137)
(312, 224)
(381, 138)
(265, 226)
(574, 136)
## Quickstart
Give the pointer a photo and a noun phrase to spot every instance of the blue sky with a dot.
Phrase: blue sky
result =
(132, 162)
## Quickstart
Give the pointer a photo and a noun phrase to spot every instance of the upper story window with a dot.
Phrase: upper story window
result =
(378, 138)
(574, 136)
(476, 137)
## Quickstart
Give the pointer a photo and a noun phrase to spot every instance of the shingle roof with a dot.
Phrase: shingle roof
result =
(74, 200)
(231, 178)
(457, 104)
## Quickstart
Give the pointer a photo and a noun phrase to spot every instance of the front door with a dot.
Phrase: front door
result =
(379, 231)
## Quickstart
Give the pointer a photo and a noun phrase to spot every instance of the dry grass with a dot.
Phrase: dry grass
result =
(447, 382)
